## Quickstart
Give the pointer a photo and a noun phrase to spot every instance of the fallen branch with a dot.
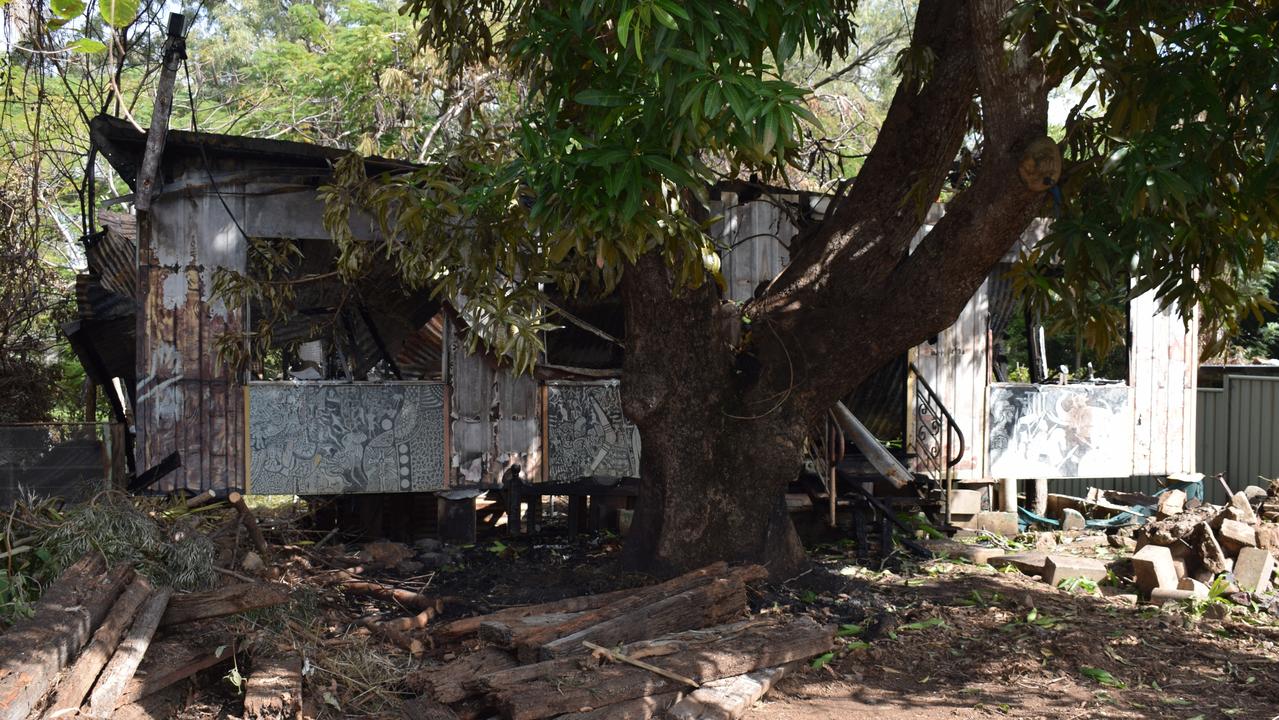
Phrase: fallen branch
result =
(405, 598)
(619, 657)
(250, 522)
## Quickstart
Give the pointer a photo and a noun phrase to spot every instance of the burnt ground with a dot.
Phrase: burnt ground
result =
(946, 639)
(936, 639)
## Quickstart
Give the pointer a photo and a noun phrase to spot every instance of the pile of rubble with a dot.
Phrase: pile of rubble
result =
(1172, 547)
(685, 648)
(1183, 552)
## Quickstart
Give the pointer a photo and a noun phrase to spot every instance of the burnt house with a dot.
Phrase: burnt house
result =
(369, 389)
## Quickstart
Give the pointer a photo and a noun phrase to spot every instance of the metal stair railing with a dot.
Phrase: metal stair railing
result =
(939, 442)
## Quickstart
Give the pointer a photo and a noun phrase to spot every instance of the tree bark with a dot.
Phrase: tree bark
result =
(714, 464)
(723, 405)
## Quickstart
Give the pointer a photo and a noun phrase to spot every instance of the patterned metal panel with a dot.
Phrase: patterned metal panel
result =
(587, 435)
(1059, 431)
(327, 438)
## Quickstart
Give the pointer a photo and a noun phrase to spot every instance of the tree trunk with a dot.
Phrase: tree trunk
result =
(723, 405)
(715, 462)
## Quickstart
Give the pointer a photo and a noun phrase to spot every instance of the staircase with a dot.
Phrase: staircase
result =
(875, 481)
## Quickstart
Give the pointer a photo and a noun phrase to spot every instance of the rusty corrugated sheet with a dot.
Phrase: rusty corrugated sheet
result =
(111, 255)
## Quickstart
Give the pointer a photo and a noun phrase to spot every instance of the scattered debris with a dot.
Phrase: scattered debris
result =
(639, 652)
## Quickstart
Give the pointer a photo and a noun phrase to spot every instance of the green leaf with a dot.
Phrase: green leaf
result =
(820, 661)
(624, 25)
(600, 98)
(66, 9)
(924, 624)
(669, 169)
(87, 46)
(849, 630)
(118, 13)
(664, 18)
(1103, 677)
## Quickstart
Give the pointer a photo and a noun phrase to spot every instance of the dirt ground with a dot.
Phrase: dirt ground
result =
(954, 640)
(931, 640)
(946, 639)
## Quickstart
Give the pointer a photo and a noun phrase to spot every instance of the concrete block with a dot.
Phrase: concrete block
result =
(1234, 536)
(1172, 503)
(1031, 563)
(1061, 567)
(1198, 589)
(1154, 569)
(965, 502)
(1072, 520)
(1001, 523)
(1268, 537)
(1159, 596)
(1239, 501)
(975, 554)
(1253, 569)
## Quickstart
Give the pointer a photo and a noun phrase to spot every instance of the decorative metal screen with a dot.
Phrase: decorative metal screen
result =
(328, 438)
(587, 435)
(1060, 431)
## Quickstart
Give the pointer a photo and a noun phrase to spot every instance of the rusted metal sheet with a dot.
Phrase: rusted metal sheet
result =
(188, 400)
(752, 238)
(495, 419)
(326, 438)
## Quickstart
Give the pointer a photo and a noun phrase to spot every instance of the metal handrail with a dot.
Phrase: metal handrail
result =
(951, 425)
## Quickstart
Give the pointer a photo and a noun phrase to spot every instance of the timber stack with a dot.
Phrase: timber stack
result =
(685, 648)
(103, 637)
(96, 627)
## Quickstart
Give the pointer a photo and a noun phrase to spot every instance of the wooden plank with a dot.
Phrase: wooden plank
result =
(729, 698)
(444, 683)
(170, 662)
(118, 672)
(274, 689)
(528, 647)
(1160, 353)
(189, 607)
(34, 650)
(711, 604)
(75, 683)
(1140, 366)
(1192, 388)
(471, 625)
(554, 687)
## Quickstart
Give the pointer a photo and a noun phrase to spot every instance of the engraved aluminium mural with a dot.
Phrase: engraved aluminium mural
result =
(1060, 431)
(587, 436)
(319, 438)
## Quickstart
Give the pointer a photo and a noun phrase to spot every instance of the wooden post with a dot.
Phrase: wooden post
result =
(250, 522)
(576, 514)
(1008, 494)
(174, 54)
(1040, 505)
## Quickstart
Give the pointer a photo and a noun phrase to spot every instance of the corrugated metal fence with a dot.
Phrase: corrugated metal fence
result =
(1237, 430)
